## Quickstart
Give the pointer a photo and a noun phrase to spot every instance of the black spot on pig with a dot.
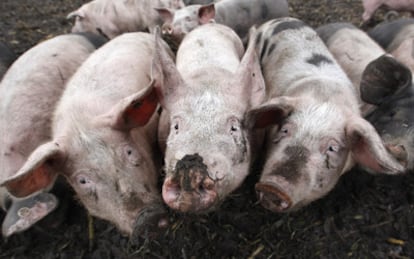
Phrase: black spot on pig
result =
(264, 49)
(271, 48)
(290, 25)
(259, 38)
(291, 168)
(318, 59)
(326, 31)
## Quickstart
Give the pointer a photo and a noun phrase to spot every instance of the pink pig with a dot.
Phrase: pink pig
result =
(370, 6)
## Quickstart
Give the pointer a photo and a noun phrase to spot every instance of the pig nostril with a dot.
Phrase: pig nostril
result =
(272, 198)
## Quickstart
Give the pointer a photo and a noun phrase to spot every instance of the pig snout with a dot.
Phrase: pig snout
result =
(167, 29)
(273, 197)
(150, 221)
(190, 188)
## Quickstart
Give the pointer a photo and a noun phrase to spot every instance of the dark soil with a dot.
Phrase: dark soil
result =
(365, 216)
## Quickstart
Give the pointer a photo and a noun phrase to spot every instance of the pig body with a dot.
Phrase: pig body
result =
(111, 18)
(206, 97)
(239, 15)
(383, 82)
(7, 57)
(316, 132)
(29, 92)
(397, 38)
(370, 6)
(104, 138)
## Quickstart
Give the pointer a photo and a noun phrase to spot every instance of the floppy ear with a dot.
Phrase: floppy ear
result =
(271, 113)
(167, 79)
(383, 77)
(206, 13)
(368, 149)
(39, 171)
(135, 110)
(249, 75)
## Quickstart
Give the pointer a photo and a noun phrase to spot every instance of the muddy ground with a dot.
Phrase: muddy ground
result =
(365, 216)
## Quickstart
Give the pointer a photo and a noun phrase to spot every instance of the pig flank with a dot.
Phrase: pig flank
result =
(239, 15)
(370, 6)
(112, 18)
(315, 112)
(104, 137)
(208, 140)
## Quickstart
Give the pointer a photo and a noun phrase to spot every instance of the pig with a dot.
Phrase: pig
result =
(370, 6)
(239, 15)
(204, 127)
(315, 132)
(104, 139)
(397, 38)
(203, 2)
(29, 92)
(7, 57)
(111, 18)
(382, 81)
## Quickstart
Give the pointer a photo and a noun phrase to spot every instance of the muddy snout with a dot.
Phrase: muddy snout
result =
(190, 189)
(150, 222)
(273, 197)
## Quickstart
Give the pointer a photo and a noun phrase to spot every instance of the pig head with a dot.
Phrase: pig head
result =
(206, 97)
(104, 138)
(388, 85)
(315, 130)
(370, 6)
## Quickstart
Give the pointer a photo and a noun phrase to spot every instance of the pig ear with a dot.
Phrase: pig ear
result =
(206, 13)
(249, 74)
(166, 14)
(38, 172)
(78, 13)
(135, 110)
(167, 79)
(382, 78)
(273, 112)
(368, 149)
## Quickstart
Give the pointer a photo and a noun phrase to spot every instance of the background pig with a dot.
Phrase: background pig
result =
(111, 18)
(382, 81)
(104, 138)
(206, 97)
(7, 57)
(370, 6)
(318, 133)
(397, 38)
(239, 15)
(29, 92)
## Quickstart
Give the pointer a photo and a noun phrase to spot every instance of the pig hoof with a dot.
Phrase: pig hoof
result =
(272, 198)
(23, 214)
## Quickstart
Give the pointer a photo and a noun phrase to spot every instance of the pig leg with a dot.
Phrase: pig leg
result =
(22, 214)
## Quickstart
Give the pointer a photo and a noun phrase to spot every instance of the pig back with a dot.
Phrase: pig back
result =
(210, 45)
(29, 92)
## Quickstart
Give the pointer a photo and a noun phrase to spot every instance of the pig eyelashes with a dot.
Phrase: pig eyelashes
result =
(285, 131)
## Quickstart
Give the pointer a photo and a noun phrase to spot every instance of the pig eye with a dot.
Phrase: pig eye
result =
(283, 132)
(132, 156)
(187, 19)
(392, 114)
(83, 181)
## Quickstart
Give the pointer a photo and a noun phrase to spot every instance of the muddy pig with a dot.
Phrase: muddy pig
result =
(397, 38)
(370, 6)
(383, 82)
(7, 56)
(239, 15)
(315, 129)
(104, 138)
(111, 18)
(207, 96)
(29, 92)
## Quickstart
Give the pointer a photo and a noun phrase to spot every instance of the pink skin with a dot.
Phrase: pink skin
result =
(103, 16)
(315, 130)
(104, 138)
(370, 6)
(207, 148)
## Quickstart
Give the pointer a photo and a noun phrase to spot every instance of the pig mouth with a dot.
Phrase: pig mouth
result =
(190, 189)
(150, 222)
(272, 197)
